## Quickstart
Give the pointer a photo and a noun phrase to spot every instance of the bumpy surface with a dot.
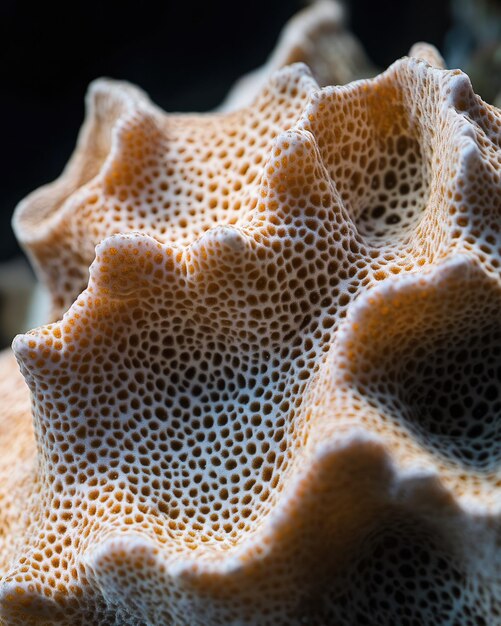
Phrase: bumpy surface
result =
(276, 402)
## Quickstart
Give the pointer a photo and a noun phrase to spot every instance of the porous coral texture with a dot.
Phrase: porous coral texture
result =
(277, 401)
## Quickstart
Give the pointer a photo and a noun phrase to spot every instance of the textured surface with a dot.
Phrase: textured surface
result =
(277, 401)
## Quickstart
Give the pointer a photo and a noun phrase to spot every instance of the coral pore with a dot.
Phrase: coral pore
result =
(277, 399)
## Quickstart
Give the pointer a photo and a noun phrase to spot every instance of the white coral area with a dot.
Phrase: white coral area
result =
(277, 401)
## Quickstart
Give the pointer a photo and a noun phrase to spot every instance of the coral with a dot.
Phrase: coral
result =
(316, 36)
(277, 399)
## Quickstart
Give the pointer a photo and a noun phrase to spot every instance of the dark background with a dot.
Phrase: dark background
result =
(185, 55)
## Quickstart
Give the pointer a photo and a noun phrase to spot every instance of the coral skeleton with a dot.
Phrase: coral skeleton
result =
(275, 396)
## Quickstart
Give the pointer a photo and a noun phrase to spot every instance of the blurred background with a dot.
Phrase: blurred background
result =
(186, 55)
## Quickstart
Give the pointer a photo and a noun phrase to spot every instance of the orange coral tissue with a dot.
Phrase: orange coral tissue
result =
(275, 398)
